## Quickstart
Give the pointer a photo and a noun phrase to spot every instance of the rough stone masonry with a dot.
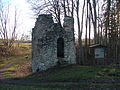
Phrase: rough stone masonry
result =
(52, 43)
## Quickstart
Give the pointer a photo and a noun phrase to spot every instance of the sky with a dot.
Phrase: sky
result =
(26, 18)
(26, 15)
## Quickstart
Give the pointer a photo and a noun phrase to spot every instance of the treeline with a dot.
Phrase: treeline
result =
(100, 17)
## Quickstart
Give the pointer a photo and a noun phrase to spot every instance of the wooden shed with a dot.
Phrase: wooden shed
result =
(98, 54)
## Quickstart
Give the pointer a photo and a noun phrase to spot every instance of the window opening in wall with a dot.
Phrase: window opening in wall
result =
(60, 47)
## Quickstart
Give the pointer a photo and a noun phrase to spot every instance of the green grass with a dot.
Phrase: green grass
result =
(19, 63)
(11, 59)
(20, 60)
(81, 84)
(18, 87)
(39, 86)
(69, 74)
(79, 72)
(7, 72)
(22, 44)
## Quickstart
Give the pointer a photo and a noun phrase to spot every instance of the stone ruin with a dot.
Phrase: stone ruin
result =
(52, 43)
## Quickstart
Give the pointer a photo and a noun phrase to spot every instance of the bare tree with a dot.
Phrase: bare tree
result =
(7, 27)
(112, 28)
(58, 8)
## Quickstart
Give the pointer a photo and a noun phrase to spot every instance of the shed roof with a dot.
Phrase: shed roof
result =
(97, 46)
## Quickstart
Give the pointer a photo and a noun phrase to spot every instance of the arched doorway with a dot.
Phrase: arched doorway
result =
(60, 47)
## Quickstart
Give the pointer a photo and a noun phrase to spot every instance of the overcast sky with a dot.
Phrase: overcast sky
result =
(26, 19)
(26, 15)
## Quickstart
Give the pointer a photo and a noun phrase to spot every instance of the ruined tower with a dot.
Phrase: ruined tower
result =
(52, 43)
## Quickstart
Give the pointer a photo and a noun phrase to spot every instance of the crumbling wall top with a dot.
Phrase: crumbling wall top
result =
(45, 18)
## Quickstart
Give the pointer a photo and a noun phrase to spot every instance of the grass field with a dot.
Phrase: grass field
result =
(8, 73)
(80, 72)
(16, 87)
(11, 59)
(21, 44)
(20, 55)
(69, 77)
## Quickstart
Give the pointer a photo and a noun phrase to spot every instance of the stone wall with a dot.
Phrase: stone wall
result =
(44, 42)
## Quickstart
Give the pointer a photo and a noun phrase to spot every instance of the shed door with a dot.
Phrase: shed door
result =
(60, 47)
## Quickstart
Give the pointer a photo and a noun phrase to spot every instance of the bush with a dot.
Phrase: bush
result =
(11, 51)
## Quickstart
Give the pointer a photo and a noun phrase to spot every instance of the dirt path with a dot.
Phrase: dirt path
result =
(1, 76)
(4, 68)
(47, 84)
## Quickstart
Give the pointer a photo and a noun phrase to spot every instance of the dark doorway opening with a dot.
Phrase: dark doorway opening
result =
(60, 47)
